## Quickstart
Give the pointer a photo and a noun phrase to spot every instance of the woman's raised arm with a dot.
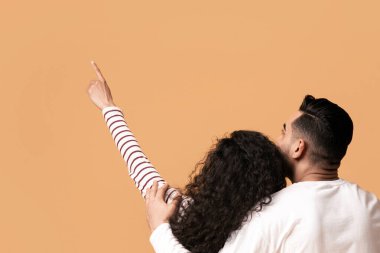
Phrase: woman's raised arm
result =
(140, 168)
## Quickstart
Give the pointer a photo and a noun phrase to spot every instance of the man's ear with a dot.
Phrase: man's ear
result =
(298, 149)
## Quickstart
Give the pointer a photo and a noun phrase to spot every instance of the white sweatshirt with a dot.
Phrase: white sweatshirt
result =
(313, 217)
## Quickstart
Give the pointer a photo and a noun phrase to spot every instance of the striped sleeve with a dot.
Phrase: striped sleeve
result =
(139, 167)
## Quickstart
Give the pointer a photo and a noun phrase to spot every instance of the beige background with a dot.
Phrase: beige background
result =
(184, 72)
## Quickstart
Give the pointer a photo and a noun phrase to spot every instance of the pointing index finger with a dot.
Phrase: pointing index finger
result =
(98, 73)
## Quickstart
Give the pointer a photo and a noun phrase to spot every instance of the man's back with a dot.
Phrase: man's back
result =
(313, 216)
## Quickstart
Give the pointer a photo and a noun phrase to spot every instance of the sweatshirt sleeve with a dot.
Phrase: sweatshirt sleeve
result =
(140, 168)
(163, 240)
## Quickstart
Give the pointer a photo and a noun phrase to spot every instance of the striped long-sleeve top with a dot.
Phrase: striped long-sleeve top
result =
(140, 168)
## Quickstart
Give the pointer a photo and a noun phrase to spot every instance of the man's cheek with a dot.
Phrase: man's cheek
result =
(284, 148)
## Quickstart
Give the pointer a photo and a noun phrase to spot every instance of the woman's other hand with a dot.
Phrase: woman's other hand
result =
(157, 210)
(98, 90)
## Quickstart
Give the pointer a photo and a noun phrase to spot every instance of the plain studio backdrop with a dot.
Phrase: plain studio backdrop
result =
(185, 73)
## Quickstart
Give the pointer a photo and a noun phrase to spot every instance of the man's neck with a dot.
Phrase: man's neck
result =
(307, 172)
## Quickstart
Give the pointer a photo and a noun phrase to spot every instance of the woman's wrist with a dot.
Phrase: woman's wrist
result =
(111, 104)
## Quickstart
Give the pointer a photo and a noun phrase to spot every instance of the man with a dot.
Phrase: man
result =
(319, 212)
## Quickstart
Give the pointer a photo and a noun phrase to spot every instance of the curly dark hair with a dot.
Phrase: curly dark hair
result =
(237, 175)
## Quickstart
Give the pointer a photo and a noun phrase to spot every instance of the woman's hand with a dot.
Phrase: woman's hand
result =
(99, 91)
(157, 210)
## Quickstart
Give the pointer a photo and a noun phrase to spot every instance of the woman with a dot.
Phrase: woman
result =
(237, 176)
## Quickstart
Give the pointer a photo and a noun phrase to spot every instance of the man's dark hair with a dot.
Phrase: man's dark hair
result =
(327, 129)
